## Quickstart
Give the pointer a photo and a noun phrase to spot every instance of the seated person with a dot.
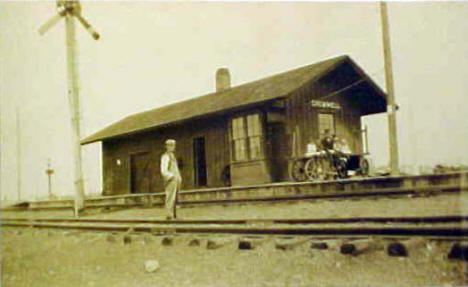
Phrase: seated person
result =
(311, 147)
(342, 146)
(332, 145)
(327, 141)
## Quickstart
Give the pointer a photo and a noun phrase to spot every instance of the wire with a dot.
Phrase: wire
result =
(352, 84)
(343, 89)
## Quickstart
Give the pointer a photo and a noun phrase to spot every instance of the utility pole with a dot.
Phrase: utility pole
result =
(391, 107)
(49, 172)
(18, 153)
(71, 9)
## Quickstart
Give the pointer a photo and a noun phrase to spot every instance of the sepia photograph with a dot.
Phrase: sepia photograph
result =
(233, 143)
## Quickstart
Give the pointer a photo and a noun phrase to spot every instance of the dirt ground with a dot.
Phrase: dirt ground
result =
(57, 258)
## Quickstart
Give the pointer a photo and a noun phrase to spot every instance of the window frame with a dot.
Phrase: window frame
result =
(251, 131)
(333, 115)
(238, 133)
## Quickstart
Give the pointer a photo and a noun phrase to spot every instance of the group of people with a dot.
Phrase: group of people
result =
(331, 142)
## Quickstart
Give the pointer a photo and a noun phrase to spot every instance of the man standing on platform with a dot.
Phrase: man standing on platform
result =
(172, 180)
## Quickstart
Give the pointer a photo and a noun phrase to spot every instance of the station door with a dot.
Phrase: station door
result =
(139, 173)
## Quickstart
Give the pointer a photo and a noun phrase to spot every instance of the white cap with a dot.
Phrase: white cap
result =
(170, 141)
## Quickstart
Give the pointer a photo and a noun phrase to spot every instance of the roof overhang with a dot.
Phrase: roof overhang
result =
(357, 88)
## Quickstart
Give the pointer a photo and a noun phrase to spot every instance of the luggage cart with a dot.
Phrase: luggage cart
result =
(327, 165)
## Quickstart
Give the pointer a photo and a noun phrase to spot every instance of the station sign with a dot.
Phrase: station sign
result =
(325, 105)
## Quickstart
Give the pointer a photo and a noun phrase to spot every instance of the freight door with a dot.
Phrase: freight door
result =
(277, 151)
(139, 173)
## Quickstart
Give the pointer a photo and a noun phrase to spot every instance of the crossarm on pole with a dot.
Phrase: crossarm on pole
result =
(88, 26)
(50, 23)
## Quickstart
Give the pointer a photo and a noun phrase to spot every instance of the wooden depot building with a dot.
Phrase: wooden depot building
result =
(240, 135)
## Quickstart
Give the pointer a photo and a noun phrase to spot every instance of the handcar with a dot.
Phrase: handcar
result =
(323, 164)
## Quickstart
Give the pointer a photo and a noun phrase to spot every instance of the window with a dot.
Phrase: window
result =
(326, 121)
(239, 139)
(254, 134)
(247, 137)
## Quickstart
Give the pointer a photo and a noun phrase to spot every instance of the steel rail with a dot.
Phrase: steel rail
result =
(454, 232)
(458, 219)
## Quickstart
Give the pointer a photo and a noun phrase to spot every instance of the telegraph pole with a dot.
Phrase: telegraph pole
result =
(18, 153)
(73, 98)
(391, 107)
(49, 172)
(69, 9)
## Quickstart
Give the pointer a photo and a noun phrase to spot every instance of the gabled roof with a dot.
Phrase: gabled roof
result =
(269, 88)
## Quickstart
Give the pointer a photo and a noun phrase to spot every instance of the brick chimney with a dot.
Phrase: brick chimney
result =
(223, 79)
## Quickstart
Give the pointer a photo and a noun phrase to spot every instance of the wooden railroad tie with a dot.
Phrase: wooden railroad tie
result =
(459, 251)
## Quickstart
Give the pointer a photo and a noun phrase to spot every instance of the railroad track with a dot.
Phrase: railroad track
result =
(456, 219)
(440, 227)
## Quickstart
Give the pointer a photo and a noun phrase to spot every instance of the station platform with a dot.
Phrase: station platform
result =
(274, 192)
(443, 204)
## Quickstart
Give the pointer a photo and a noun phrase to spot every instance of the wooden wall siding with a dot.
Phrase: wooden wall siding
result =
(117, 178)
(107, 169)
(300, 113)
(348, 126)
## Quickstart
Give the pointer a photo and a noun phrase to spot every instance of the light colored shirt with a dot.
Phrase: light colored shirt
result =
(169, 168)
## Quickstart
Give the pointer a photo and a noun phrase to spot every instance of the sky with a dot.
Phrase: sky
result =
(154, 53)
